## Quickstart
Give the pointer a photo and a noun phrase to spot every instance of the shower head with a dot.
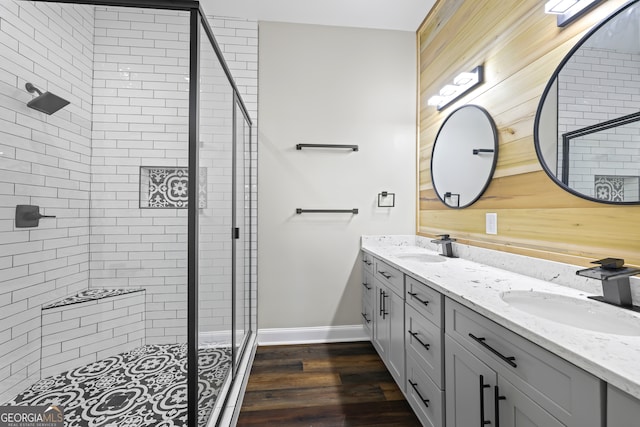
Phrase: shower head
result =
(47, 102)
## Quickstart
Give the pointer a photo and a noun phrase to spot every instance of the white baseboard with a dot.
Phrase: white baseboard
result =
(321, 334)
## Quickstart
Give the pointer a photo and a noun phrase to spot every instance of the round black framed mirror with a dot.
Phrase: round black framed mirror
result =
(464, 156)
(587, 126)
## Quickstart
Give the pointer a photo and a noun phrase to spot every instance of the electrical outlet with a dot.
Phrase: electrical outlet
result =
(492, 223)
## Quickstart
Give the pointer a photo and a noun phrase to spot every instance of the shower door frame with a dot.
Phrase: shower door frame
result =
(198, 17)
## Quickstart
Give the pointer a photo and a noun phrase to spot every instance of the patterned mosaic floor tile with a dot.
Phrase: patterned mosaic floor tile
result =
(143, 387)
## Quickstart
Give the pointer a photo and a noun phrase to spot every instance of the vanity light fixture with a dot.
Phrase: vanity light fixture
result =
(558, 7)
(462, 84)
(568, 10)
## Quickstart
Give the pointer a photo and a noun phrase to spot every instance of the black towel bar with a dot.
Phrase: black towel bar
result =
(301, 146)
(353, 211)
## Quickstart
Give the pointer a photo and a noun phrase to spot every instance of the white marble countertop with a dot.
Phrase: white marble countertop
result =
(612, 358)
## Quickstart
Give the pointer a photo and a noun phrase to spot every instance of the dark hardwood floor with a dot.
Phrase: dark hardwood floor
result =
(340, 384)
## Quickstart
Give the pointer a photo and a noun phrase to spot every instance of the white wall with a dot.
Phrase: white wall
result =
(320, 84)
(44, 161)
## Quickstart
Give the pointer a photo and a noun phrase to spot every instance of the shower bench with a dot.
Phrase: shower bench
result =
(89, 326)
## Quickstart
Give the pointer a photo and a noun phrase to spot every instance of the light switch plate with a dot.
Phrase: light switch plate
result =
(492, 223)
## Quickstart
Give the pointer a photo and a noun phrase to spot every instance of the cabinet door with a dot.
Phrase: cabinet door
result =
(394, 307)
(381, 324)
(515, 409)
(469, 388)
(622, 408)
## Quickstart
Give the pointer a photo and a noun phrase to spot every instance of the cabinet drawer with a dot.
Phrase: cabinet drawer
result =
(390, 276)
(424, 343)
(420, 388)
(564, 390)
(367, 262)
(368, 288)
(367, 317)
(427, 301)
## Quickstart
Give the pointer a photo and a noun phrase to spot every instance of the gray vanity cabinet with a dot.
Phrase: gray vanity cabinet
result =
(622, 409)
(388, 323)
(500, 377)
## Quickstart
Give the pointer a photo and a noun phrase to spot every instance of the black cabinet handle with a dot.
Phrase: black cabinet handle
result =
(483, 422)
(415, 296)
(415, 387)
(380, 302)
(384, 304)
(498, 398)
(385, 274)
(366, 262)
(507, 359)
(365, 318)
(415, 335)
(366, 286)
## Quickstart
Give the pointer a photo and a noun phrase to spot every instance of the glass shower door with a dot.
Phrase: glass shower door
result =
(242, 229)
(215, 240)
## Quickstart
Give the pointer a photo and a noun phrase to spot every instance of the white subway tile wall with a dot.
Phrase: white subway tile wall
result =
(597, 85)
(141, 118)
(45, 161)
(124, 71)
(79, 334)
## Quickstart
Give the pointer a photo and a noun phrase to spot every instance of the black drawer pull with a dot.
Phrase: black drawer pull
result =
(367, 262)
(366, 286)
(507, 359)
(483, 422)
(365, 318)
(498, 398)
(415, 296)
(385, 274)
(415, 387)
(384, 304)
(415, 335)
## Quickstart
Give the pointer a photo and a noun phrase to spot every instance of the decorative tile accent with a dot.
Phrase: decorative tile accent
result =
(609, 188)
(167, 187)
(90, 295)
(143, 387)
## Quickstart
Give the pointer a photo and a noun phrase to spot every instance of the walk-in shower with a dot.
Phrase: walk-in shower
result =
(132, 301)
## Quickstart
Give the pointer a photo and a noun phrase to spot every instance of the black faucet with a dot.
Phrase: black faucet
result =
(445, 241)
(614, 277)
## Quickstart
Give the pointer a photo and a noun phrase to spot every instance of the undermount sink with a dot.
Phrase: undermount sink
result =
(419, 257)
(579, 313)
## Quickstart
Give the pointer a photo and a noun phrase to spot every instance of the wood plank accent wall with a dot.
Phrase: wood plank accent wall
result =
(520, 47)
